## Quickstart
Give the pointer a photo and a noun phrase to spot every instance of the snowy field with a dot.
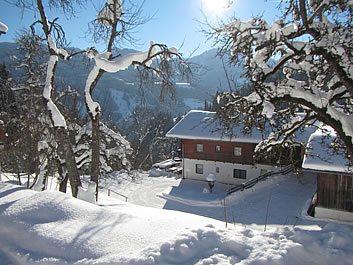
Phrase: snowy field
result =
(155, 225)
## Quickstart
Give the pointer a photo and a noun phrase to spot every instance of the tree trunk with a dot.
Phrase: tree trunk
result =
(59, 124)
(93, 78)
(63, 175)
(95, 163)
(72, 171)
(63, 184)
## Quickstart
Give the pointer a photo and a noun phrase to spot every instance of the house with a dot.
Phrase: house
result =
(207, 150)
(334, 196)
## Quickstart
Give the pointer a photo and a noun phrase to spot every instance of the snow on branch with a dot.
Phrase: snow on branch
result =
(56, 116)
(3, 28)
(304, 59)
(112, 11)
(104, 63)
(58, 51)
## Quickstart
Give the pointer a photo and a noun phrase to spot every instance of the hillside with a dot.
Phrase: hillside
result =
(118, 93)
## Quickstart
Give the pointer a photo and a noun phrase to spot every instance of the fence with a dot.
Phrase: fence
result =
(253, 181)
(109, 191)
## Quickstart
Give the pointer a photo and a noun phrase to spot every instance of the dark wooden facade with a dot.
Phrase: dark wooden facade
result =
(335, 191)
(2, 134)
(226, 153)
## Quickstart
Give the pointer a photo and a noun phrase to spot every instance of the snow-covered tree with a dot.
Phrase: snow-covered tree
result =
(311, 45)
(53, 34)
(146, 129)
(115, 150)
(9, 117)
(31, 122)
(114, 24)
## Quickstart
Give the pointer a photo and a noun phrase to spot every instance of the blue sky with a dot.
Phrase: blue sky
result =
(174, 21)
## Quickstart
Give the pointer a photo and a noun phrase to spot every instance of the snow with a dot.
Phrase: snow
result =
(125, 61)
(89, 194)
(165, 164)
(268, 109)
(106, 16)
(211, 177)
(202, 125)
(53, 228)
(104, 63)
(56, 116)
(58, 51)
(92, 106)
(145, 58)
(298, 50)
(320, 157)
(3, 28)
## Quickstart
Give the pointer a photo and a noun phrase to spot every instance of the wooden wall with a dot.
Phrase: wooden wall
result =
(226, 155)
(335, 191)
(2, 134)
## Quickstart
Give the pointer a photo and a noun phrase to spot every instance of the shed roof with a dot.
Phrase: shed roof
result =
(320, 157)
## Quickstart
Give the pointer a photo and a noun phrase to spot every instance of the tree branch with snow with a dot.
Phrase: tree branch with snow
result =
(300, 63)
(113, 25)
(3, 28)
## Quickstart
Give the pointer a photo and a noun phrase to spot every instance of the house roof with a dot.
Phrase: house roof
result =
(201, 125)
(320, 157)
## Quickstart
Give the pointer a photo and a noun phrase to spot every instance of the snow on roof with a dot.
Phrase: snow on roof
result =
(303, 136)
(319, 157)
(201, 125)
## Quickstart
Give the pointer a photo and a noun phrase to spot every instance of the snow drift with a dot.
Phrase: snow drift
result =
(53, 228)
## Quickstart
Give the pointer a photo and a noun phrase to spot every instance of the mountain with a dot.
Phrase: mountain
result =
(119, 93)
(211, 72)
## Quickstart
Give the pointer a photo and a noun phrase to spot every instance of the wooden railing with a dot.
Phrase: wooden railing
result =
(110, 191)
(253, 181)
(117, 193)
(221, 157)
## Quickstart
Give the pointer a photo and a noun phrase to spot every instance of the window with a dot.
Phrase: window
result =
(239, 174)
(199, 169)
(218, 148)
(199, 148)
(217, 169)
(237, 151)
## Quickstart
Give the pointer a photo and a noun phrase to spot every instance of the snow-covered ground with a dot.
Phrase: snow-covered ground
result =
(53, 228)
(288, 197)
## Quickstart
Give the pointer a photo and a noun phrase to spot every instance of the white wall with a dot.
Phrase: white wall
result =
(326, 213)
(225, 174)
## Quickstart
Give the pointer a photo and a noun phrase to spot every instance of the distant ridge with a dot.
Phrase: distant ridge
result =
(118, 93)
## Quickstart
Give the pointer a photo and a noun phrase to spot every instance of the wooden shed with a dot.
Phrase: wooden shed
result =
(334, 196)
(334, 191)
(2, 134)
